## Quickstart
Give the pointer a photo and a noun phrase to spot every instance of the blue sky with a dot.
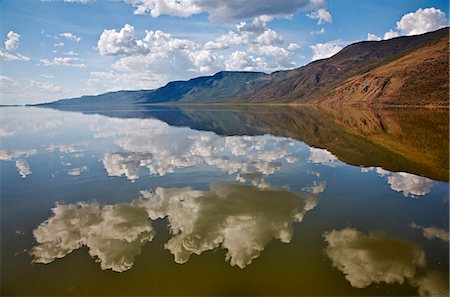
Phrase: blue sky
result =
(67, 48)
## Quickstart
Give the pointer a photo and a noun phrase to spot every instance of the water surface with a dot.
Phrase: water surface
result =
(220, 201)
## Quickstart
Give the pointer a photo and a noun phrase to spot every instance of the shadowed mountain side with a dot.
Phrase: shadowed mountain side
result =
(216, 88)
(409, 140)
(104, 100)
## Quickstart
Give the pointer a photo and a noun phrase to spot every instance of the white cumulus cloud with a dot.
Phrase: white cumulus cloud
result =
(258, 25)
(390, 34)
(159, 57)
(325, 50)
(11, 44)
(422, 21)
(226, 40)
(269, 37)
(293, 46)
(373, 37)
(114, 42)
(322, 16)
(70, 36)
(12, 41)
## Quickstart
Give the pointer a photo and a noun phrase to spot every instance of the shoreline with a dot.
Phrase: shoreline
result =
(333, 105)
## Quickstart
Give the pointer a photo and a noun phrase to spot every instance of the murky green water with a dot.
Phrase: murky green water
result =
(201, 201)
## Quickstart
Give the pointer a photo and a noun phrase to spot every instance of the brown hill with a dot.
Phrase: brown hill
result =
(418, 78)
(403, 70)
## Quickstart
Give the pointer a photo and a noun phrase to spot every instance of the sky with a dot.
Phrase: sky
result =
(54, 49)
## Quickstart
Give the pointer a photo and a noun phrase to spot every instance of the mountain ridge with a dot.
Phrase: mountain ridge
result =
(308, 83)
(407, 70)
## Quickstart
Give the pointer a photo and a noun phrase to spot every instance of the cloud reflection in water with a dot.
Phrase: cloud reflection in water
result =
(372, 258)
(410, 185)
(19, 156)
(163, 149)
(367, 259)
(239, 218)
(432, 232)
(114, 234)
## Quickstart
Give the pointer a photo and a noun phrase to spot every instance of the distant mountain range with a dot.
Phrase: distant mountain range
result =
(408, 70)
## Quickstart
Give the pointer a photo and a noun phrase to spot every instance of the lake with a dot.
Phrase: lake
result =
(223, 200)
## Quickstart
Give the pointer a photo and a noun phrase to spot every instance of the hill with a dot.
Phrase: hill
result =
(418, 78)
(408, 70)
(216, 88)
(421, 58)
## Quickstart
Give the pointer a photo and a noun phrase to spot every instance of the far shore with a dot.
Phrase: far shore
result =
(218, 104)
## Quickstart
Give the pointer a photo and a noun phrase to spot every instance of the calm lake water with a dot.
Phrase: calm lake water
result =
(220, 201)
